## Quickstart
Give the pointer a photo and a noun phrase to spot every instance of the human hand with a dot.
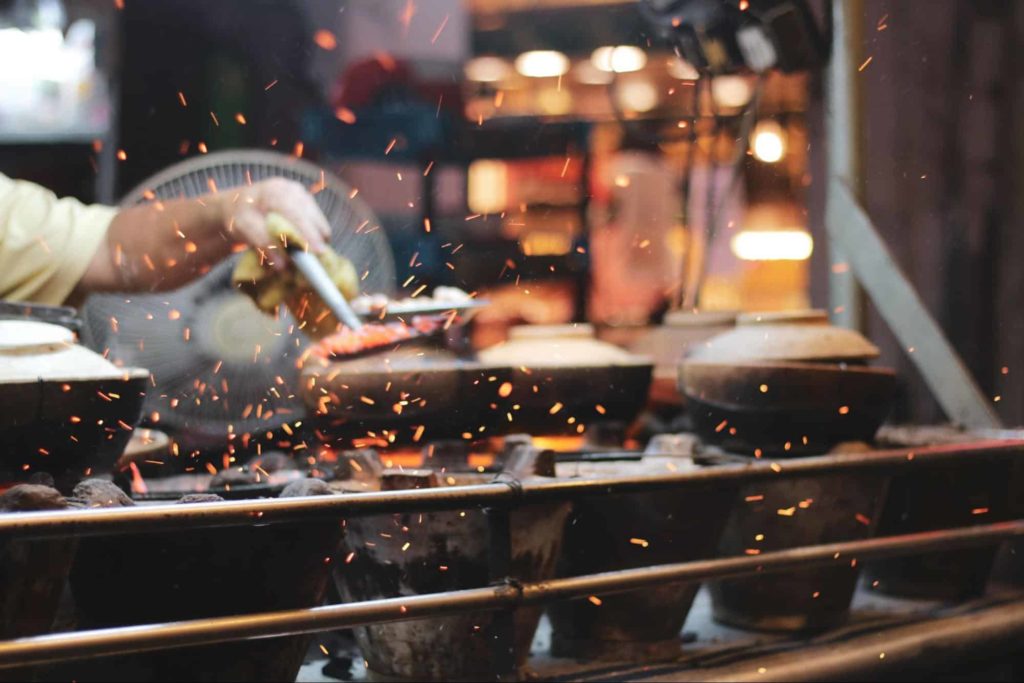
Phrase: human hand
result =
(245, 211)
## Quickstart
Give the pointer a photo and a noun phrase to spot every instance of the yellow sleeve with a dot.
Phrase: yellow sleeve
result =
(46, 243)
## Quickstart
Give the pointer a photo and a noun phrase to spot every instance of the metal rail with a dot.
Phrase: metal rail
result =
(890, 653)
(171, 517)
(132, 639)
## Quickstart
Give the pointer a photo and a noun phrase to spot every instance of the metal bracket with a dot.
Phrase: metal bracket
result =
(852, 232)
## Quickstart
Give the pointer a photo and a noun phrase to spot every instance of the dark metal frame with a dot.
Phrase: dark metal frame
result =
(505, 594)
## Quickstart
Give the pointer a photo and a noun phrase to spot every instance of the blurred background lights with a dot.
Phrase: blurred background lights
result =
(772, 245)
(542, 64)
(683, 70)
(768, 142)
(588, 74)
(619, 58)
(731, 91)
(487, 69)
(637, 95)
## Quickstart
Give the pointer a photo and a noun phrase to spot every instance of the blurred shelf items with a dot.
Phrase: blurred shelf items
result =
(55, 93)
(48, 75)
(592, 173)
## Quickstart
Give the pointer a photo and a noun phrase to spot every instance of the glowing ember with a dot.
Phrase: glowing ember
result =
(138, 485)
(325, 40)
(345, 115)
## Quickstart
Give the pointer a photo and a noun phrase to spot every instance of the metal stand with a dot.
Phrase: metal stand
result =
(503, 628)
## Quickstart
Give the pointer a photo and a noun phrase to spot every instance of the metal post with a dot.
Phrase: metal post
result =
(843, 131)
(945, 374)
(503, 625)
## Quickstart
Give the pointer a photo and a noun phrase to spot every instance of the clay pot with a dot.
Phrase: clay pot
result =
(63, 409)
(785, 409)
(786, 336)
(624, 531)
(385, 556)
(777, 515)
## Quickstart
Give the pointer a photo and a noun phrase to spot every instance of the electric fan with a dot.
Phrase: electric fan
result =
(219, 366)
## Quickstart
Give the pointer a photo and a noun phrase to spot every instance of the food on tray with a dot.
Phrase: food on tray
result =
(271, 288)
(442, 296)
(346, 341)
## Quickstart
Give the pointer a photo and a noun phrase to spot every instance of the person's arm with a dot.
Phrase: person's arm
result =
(163, 245)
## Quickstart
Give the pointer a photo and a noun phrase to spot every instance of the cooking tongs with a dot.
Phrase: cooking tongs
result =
(311, 268)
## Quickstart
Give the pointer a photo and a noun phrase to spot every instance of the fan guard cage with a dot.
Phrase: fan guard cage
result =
(219, 365)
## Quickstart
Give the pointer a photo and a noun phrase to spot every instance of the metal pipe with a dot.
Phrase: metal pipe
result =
(124, 640)
(170, 517)
(152, 518)
(892, 459)
(781, 560)
(132, 639)
(878, 656)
